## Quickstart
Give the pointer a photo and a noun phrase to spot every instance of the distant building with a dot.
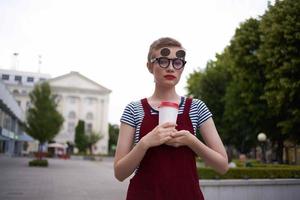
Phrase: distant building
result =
(20, 84)
(12, 137)
(78, 98)
(82, 98)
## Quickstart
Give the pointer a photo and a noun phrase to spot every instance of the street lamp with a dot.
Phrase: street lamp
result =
(262, 138)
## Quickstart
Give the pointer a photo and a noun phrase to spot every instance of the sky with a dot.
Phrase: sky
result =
(108, 41)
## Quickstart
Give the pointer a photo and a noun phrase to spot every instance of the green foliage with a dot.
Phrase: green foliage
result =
(251, 173)
(244, 109)
(113, 137)
(280, 53)
(210, 86)
(43, 120)
(193, 84)
(254, 85)
(92, 139)
(85, 141)
(80, 139)
(38, 163)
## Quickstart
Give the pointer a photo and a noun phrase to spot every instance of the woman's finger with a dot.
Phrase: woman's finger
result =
(179, 133)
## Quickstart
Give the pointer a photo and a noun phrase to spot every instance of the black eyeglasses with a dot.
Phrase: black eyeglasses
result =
(164, 62)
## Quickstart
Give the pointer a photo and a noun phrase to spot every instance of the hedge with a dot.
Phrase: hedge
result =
(38, 163)
(251, 173)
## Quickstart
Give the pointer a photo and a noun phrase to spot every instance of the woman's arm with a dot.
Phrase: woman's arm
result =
(212, 152)
(127, 158)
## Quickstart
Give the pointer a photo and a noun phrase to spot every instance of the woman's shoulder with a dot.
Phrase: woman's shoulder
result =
(195, 101)
(134, 102)
(133, 105)
(199, 105)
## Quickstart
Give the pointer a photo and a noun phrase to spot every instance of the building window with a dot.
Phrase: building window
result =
(90, 100)
(42, 79)
(71, 127)
(57, 98)
(7, 123)
(72, 100)
(5, 77)
(18, 78)
(15, 91)
(89, 116)
(30, 79)
(72, 115)
(89, 127)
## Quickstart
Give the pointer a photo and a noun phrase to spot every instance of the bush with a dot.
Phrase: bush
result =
(38, 163)
(251, 173)
(259, 164)
(247, 163)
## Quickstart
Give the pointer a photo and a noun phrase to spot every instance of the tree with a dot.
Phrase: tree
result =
(80, 139)
(244, 109)
(113, 137)
(210, 86)
(263, 89)
(280, 53)
(193, 84)
(43, 120)
(92, 139)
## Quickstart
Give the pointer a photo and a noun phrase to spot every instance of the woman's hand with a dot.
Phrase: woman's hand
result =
(159, 135)
(180, 138)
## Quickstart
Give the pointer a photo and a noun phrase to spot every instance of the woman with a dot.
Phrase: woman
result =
(163, 156)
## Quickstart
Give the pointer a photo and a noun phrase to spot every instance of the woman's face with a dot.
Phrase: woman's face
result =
(167, 65)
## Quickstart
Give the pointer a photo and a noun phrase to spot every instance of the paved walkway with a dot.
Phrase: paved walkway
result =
(62, 180)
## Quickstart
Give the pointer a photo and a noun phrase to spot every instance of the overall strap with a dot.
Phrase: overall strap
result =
(146, 106)
(187, 106)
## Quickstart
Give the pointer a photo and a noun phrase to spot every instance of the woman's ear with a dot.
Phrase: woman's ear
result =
(150, 67)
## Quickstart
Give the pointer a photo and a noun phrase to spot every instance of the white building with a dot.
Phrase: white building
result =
(82, 99)
(78, 97)
(20, 84)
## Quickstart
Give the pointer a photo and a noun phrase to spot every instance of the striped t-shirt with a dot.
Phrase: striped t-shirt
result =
(134, 113)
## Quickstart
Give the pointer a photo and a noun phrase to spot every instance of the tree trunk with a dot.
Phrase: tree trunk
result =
(40, 152)
(287, 155)
(279, 151)
(91, 149)
(295, 154)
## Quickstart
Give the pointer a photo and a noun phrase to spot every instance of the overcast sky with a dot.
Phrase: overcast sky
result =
(108, 41)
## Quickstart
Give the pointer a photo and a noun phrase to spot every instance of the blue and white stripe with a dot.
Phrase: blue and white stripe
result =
(134, 113)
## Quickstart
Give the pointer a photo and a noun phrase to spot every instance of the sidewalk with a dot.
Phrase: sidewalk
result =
(63, 179)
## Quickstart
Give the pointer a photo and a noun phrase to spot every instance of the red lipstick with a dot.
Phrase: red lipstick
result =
(170, 77)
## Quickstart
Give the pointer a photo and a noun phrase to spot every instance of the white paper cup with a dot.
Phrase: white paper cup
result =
(168, 112)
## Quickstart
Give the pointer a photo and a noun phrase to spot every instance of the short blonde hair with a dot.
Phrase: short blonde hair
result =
(162, 42)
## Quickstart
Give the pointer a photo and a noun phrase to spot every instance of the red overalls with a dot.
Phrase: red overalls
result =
(166, 173)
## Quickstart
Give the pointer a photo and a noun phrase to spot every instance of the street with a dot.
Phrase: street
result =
(62, 179)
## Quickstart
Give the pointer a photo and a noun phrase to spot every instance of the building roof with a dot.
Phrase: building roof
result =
(77, 81)
(25, 73)
(24, 77)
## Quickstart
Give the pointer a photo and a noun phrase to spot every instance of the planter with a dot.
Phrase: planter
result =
(251, 189)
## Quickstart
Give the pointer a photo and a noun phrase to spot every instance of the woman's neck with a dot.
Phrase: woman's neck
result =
(164, 94)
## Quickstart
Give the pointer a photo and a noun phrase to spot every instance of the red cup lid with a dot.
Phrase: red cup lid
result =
(169, 104)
